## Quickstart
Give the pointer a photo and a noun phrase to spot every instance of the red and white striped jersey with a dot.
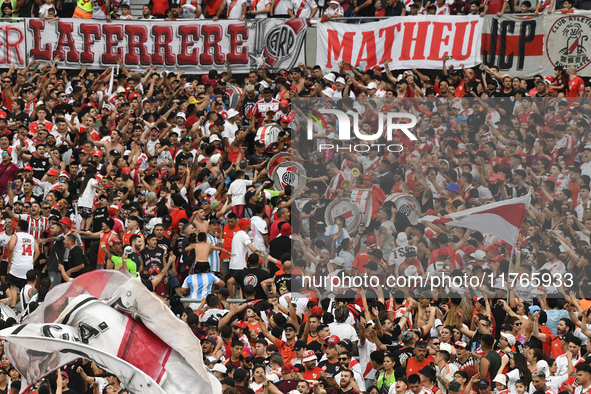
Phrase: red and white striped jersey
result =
(36, 226)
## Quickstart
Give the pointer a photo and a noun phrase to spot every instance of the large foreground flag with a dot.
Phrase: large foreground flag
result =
(501, 219)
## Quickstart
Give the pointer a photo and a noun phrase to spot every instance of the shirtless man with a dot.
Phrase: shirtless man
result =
(202, 251)
(113, 144)
(297, 79)
(201, 225)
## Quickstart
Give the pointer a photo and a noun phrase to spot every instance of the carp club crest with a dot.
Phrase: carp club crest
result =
(276, 44)
(575, 31)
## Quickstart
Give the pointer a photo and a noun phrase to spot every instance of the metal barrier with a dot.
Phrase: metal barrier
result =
(198, 300)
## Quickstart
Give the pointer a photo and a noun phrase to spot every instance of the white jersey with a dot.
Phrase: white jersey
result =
(22, 256)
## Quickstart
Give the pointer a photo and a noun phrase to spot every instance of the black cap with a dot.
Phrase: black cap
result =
(299, 345)
(212, 321)
(224, 292)
(114, 152)
(483, 383)
(371, 265)
(506, 326)
(193, 320)
(240, 374)
(228, 381)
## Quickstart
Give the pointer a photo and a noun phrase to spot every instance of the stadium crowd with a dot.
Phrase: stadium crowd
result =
(167, 176)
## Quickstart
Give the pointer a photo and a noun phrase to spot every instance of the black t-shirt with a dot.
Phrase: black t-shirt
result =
(75, 384)
(248, 104)
(317, 217)
(100, 215)
(401, 355)
(164, 243)
(255, 159)
(283, 283)
(40, 166)
(316, 347)
(253, 277)
(75, 257)
(181, 156)
(153, 260)
(329, 368)
(316, 171)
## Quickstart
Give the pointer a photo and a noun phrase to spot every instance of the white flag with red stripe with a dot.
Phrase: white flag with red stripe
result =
(502, 219)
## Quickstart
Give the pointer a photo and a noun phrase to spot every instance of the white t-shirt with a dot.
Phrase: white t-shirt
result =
(237, 190)
(44, 9)
(259, 6)
(189, 12)
(86, 200)
(259, 228)
(364, 352)
(240, 248)
(230, 129)
(302, 8)
(234, 12)
(448, 372)
(298, 299)
(343, 331)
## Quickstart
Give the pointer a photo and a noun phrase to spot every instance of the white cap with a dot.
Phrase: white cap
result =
(330, 77)
(509, 337)
(212, 138)
(401, 239)
(181, 115)
(372, 85)
(338, 261)
(479, 255)
(500, 378)
(232, 112)
(445, 347)
(215, 158)
(411, 271)
(334, 2)
(340, 80)
(187, 85)
(120, 89)
(331, 136)
(128, 250)
(328, 92)
(264, 84)
(220, 368)
(211, 191)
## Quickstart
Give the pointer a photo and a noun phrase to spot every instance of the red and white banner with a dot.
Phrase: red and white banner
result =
(514, 44)
(502, 219)
(417, 42)
(526, 46)
(114, 313)
(12, 45)
(196, 46)
(52, 352)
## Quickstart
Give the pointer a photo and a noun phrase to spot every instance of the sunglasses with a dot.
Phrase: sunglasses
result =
(518, 324)
(436, 343)
(343, 358)
(26, 206)
(46, 208)
(289, 330)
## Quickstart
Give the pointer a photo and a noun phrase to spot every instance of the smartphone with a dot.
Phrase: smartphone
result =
(14, 185)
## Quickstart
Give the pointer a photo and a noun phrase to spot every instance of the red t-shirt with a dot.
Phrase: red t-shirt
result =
(575, 86)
